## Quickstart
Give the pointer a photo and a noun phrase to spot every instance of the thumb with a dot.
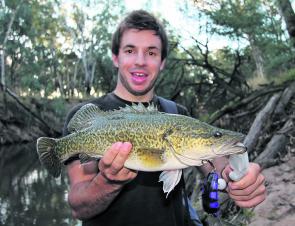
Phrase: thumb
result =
(225, 173)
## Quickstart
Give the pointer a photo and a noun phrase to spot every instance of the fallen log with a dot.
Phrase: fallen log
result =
(285, 98)
(276, 145)
(260, 121)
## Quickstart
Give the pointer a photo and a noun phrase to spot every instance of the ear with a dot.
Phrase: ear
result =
(115, 60)
(162, 64)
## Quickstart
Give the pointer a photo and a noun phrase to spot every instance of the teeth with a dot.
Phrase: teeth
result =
(139, 74)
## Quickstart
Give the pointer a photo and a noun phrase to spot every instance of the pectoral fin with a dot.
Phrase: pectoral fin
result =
(170, 179)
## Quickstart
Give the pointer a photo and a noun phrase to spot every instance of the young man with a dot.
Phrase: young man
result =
(105, 192)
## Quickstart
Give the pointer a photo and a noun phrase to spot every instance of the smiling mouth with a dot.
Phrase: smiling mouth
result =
(139, 78)
(140, 75)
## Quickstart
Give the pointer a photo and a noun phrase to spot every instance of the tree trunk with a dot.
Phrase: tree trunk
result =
(257, 56)
(73, 81)
(60, 82)
(3, 70)
(285, 9)
(3, 57)
(92, 73)
(87, 69)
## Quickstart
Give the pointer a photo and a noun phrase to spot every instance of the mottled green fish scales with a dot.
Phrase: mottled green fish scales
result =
(160, 141)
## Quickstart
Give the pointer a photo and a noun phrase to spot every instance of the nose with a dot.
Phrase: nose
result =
(140, 59)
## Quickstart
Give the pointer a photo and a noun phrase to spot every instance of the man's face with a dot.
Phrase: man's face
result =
(138, 61)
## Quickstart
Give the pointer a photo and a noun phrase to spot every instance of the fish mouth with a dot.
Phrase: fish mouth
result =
(240, 145)
(231, 147)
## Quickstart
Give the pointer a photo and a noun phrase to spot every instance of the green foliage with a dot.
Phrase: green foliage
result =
(257, 26)
(53, 44)
(58, 105)
(56, 47)
(289, 75)
(250, 18)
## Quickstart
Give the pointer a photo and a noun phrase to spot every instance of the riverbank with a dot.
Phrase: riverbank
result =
(25, 120)
(279, 208)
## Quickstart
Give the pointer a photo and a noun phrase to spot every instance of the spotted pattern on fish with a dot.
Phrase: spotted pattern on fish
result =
(160, 141)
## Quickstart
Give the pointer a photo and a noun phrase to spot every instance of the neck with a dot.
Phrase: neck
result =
(132, 98)
(124, 94)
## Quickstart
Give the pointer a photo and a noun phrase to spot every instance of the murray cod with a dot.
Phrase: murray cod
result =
(160, 141)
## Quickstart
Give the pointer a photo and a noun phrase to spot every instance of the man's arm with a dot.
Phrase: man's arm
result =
(247, 192)
(93, 186)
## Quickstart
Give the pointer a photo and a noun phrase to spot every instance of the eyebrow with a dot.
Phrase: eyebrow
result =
(154, 47)
(128, 46)
(133, 46)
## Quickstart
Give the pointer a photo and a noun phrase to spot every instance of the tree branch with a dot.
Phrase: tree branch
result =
(238, 103)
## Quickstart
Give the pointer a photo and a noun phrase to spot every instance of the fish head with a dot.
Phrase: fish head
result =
(217, 141)
(225, 142)
(208, 142)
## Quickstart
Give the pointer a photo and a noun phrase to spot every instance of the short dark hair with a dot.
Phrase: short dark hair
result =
(141, 20)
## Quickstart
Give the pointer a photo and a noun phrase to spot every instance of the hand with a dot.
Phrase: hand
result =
(250, 190)
(94, 186)
(111, 165)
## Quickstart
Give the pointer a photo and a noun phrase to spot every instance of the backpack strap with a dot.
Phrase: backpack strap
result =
(168, 105)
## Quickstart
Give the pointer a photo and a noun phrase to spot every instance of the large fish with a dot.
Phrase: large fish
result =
(160, 141)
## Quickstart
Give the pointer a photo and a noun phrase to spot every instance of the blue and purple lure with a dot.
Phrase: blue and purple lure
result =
(210, 194)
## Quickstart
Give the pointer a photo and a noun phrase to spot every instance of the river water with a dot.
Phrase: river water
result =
(28, 195)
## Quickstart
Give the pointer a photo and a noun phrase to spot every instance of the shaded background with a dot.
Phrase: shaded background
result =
(231, 63)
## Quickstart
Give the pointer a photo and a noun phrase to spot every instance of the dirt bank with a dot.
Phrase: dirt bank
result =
(279, 207)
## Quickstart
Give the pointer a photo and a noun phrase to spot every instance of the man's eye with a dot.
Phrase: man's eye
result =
(152, 53)
(128, 51)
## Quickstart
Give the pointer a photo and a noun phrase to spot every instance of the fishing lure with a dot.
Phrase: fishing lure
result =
(210, 194)
(212, 183)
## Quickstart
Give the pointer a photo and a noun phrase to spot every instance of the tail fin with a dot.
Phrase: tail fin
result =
(47, 155)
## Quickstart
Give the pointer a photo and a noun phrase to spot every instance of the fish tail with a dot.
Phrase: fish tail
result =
(46, 148)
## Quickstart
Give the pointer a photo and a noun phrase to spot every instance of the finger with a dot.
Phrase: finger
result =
(249, 179)
(123, 176)
(90, 167)
(245, 197)
(128, 174)
(248, 190)
(225, 173)
(118, 162)
(253, 202)
(111, 154)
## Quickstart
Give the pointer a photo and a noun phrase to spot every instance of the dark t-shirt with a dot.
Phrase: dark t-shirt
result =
(141, 202)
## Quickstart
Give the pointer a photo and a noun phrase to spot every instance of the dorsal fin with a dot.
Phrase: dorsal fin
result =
(85, 117)
(89, 114)
(139, 108)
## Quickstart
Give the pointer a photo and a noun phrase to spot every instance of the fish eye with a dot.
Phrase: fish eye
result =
(217, 134)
